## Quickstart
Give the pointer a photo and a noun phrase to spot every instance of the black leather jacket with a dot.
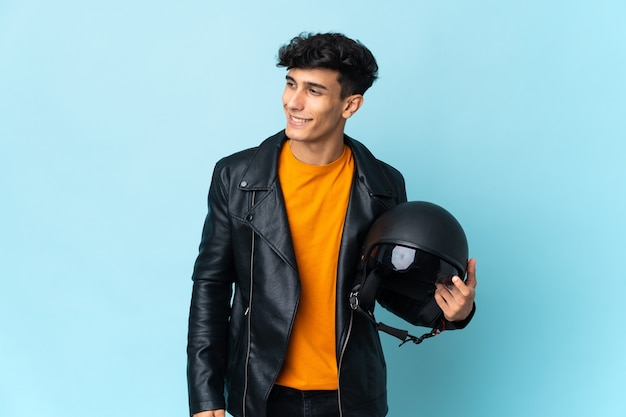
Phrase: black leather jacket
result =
(237, 343)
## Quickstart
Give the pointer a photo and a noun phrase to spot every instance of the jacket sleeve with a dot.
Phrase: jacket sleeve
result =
(210, 305)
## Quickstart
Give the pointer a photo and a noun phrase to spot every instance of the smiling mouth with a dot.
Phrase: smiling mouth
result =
(299, 120)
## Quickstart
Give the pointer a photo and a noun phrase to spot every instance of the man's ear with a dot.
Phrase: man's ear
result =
(352, 104)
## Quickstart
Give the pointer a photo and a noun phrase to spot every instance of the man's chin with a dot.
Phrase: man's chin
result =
(294, 134)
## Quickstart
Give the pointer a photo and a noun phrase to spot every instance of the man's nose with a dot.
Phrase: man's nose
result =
(295, 100)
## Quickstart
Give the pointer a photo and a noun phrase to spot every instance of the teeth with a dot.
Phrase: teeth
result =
(298, 120)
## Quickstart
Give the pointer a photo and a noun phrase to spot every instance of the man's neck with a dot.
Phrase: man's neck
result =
(316, 153)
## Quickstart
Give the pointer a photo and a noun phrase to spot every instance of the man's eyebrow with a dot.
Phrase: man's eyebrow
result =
(308, 83)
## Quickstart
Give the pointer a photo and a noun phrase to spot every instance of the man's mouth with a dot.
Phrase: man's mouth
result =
(299, 120)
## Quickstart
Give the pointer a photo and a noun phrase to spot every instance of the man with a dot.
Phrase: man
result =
(284, 227)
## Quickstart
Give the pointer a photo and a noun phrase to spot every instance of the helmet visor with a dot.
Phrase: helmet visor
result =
(420, 265)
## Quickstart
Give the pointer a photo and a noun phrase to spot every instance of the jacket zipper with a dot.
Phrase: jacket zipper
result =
(343, 351)
(248, 312)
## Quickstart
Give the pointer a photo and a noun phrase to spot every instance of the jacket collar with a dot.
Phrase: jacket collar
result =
(262, 170)
(260, 174)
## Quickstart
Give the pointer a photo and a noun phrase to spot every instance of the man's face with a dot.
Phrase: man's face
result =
(315, 111)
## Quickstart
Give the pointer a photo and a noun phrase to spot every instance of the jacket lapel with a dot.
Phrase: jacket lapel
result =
(266, 213)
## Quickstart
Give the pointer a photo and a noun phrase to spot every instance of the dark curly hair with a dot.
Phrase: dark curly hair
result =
(356, 65)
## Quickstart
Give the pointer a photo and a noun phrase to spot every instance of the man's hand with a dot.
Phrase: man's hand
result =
(211, 413)
(457, 300)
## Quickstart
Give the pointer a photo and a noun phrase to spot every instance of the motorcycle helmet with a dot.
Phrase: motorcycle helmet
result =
(407, 251)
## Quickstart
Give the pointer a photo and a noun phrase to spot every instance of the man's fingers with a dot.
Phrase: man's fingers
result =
(471, 273)
(439, 298)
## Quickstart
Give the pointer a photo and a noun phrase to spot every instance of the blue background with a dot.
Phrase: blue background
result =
(112, 114)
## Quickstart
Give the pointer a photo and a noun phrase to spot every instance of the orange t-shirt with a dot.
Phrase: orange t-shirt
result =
(316, 199)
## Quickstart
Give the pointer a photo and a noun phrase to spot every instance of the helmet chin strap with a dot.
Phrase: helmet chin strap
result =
(406, 337)
(363, 297)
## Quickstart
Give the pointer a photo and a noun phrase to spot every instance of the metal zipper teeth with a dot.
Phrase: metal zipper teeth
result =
(248, 312)
(343, 351)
